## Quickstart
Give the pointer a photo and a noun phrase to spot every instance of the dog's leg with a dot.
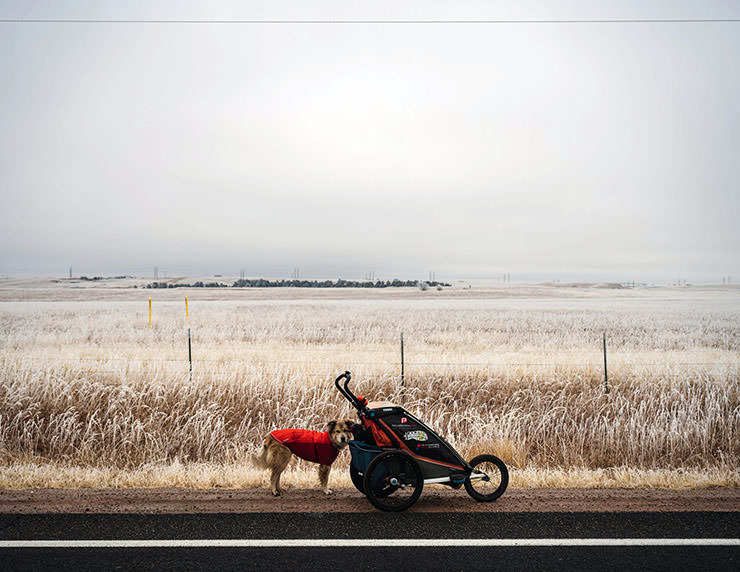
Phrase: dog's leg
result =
(324, 478)
(260, 460)
(278, 460)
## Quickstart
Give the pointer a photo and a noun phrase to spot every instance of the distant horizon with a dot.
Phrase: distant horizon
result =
(511, 277)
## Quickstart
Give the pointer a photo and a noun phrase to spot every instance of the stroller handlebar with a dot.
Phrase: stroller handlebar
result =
(347, 393)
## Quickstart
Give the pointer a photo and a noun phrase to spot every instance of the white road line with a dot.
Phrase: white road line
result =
(368, 542)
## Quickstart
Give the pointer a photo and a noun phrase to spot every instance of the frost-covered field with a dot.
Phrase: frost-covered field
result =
(91, 396)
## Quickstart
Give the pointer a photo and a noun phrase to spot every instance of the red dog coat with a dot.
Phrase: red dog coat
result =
(313, 446)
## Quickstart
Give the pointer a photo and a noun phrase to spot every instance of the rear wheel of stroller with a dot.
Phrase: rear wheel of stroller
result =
(494, 482)
(393, 481)
(357, 479)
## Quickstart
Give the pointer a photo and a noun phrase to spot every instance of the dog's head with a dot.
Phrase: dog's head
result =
(340, 432)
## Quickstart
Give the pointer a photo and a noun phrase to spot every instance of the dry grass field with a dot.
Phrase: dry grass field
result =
(91, 396)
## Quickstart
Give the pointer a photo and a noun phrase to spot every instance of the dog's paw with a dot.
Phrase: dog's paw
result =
(328, 491)
(276, 493)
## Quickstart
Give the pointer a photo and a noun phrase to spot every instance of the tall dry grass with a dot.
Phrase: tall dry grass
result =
(87, 386)
(79, 417)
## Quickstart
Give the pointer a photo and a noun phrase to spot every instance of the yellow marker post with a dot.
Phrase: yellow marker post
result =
(150, 311)
(187, 315)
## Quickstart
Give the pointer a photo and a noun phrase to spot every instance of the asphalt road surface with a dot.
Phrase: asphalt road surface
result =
(372, 541)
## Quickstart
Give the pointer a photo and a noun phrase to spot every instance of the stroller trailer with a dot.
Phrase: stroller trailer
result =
(394, 455)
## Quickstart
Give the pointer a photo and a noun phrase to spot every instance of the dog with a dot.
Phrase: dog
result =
(320, 447)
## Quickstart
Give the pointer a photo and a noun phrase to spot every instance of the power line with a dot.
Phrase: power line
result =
(374, 22)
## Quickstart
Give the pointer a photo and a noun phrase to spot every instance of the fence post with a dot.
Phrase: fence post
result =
(403, 373)
(606, 379)
(150, 311)
(190, 356)
(190, 351)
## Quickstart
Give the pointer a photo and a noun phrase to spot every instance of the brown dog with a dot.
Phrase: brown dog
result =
(315, 446)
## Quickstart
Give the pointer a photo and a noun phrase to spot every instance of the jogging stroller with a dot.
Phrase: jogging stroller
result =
(394, 455)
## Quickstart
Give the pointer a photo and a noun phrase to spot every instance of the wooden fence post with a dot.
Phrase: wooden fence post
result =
(606, 379)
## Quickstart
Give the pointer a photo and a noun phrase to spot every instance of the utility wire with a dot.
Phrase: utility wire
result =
(373, 22)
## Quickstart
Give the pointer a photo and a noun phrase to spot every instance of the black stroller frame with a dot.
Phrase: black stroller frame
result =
(394, 455)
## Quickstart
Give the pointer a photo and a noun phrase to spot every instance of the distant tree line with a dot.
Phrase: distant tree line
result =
(198, 284)
(262, 283)
(96, 278)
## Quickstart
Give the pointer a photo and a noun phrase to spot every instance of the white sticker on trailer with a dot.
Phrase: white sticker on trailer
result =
(415, 436)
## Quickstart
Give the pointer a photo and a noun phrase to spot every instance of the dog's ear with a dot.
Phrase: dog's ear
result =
(350, 424)
(331, 425)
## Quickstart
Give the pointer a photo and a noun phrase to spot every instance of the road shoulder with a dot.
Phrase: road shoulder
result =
(433, 499)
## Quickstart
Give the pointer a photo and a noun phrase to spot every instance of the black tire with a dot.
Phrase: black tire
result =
(493, 484)
(393, 481)
(357, 479)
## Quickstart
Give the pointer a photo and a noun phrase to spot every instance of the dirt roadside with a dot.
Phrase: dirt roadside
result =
(161, 501)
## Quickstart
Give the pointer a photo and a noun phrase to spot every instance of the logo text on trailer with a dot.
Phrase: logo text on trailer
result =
(415, 436)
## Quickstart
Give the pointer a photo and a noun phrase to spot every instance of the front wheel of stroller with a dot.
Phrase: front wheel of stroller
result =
(393, 481)
(494, 481)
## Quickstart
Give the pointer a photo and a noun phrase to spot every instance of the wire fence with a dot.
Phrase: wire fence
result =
(214, 367)
(259, 361)
(325, 362)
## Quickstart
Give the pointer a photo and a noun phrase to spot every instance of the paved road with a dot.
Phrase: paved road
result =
(611, 546)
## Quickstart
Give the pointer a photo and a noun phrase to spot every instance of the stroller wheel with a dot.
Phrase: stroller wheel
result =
(357, 479)
(494, 481)
(393, 481)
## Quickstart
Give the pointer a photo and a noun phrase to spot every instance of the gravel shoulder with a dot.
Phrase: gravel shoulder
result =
(437, 499)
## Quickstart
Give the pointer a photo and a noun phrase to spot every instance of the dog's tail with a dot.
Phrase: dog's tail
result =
(260, 460)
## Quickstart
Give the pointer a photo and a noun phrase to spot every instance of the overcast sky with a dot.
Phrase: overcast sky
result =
(600, 151)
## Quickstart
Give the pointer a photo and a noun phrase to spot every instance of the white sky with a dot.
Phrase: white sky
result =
(597, 151)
